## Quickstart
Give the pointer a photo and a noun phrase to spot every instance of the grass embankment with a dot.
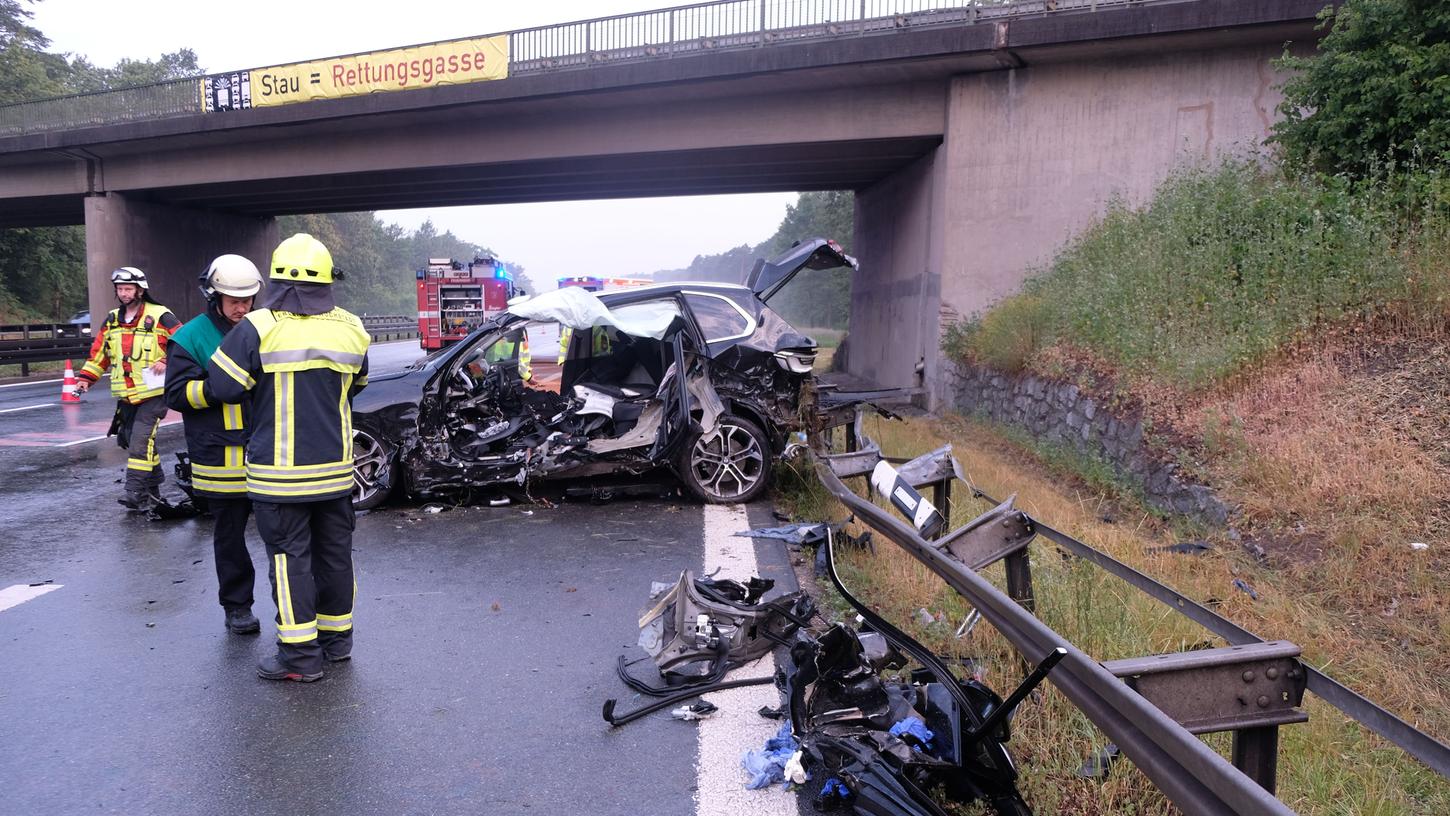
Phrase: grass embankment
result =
(1327, 766)
(1286, 343)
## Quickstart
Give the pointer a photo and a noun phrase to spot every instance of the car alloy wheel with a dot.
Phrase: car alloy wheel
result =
(729, 463)
(371, 477)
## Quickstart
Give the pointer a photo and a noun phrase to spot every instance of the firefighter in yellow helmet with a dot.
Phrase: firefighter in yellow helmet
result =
(132, 344)
(298, 362)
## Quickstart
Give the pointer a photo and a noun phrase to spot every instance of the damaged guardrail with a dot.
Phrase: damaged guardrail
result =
(1250, 687)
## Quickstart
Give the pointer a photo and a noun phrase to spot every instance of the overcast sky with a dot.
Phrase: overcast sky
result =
(623, 237)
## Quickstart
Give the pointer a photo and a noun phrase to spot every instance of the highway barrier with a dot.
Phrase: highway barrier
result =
(1250, 687)
(53, 342)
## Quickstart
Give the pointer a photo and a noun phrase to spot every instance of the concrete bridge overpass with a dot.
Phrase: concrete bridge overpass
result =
(976, 138)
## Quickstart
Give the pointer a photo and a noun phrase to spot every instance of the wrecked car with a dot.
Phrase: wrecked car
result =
(701, 379)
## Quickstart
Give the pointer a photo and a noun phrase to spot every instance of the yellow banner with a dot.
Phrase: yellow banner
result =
(425, 66)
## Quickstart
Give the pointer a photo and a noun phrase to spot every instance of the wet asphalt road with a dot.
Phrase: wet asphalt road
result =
(485, 645)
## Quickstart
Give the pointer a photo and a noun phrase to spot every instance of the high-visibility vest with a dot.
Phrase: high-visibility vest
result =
(302, 372)
(129, 349)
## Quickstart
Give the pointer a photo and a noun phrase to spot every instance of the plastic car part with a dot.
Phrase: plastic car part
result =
(700, 627)
(850, 721)
(665, 702)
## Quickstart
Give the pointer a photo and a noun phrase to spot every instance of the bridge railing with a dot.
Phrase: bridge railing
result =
(703, 27)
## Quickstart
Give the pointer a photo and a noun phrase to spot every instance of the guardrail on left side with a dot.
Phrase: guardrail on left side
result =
(23, 344)
(390, 327)
(42, 343)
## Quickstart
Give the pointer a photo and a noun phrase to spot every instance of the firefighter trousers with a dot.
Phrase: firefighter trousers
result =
(234, 571)
(309, 546)
(143, 463)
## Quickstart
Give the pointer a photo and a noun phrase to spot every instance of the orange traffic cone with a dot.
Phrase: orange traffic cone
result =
(68, 390)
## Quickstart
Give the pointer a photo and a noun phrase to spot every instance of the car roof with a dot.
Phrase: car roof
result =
(674, 286)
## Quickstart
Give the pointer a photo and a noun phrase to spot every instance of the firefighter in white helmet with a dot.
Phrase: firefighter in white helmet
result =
(216, 432)
(132, 344)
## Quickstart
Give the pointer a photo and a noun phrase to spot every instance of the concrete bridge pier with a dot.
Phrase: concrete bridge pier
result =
(171, 244)
(896, 292)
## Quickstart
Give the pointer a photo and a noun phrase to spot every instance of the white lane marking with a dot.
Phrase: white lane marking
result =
(107, 436)
(28, 407)
(105, 376)
(20, 593)
(738, 726)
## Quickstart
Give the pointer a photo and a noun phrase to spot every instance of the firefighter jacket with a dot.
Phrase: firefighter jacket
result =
(216, 432)
(300, 373)
(131, 348)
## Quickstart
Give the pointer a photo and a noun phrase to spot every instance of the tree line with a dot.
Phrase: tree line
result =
(815, 298)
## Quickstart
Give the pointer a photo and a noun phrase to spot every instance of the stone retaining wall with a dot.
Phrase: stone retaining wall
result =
(1059, 412)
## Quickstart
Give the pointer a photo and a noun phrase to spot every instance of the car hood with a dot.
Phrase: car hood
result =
(769, 276)
(391, 388)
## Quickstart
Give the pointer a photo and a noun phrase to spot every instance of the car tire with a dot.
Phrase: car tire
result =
(730, 465)
(373, 472)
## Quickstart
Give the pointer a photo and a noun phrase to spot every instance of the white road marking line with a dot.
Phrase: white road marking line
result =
(105, 376)
(80, 441)
(28, 407)
(738, 726)
(20, 593)
(107, 436)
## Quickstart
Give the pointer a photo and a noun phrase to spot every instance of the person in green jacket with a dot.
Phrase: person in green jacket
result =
(216, 432)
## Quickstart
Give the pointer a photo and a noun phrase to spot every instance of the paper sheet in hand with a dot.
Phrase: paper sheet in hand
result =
(152, 379)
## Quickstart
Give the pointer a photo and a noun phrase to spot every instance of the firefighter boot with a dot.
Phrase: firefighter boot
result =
(241, 621)
(336, 646)
(272, 668)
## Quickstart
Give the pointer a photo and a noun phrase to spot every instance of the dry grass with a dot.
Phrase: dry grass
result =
(1328, 766)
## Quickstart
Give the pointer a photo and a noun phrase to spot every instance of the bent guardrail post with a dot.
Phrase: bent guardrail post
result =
(1250, 690)
(1187, 771)
(1416, 743)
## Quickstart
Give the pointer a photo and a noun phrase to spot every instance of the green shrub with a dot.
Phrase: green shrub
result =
(1224, 265)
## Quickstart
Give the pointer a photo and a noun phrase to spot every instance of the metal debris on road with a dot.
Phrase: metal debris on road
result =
(697, 711)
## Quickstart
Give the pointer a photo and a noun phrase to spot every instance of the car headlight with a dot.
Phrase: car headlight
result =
(796, 362)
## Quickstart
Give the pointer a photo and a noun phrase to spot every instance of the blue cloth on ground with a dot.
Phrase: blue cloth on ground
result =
(766, 766)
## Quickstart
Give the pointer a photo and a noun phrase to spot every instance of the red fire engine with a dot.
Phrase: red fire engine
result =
(455, 297)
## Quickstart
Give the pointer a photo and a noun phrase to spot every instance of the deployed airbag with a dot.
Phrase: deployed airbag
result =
(577, 309)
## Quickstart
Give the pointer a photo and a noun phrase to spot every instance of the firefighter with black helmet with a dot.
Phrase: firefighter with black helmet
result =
(132, 344)
(216, 432)
(299, 361)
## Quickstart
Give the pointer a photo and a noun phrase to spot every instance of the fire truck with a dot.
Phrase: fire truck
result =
(454, 297)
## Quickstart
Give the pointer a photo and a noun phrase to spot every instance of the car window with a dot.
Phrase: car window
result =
(646, 311)
(719, 318)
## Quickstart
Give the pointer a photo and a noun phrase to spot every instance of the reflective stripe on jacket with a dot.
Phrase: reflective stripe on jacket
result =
(130, 349)
(216, 432)
(302, 372)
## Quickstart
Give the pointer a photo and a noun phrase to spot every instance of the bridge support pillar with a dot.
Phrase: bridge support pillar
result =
(172, 245)
(897, 291)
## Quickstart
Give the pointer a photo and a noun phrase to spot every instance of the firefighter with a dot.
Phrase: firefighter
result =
(216, 432)
(132, 341)
(299, 361)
